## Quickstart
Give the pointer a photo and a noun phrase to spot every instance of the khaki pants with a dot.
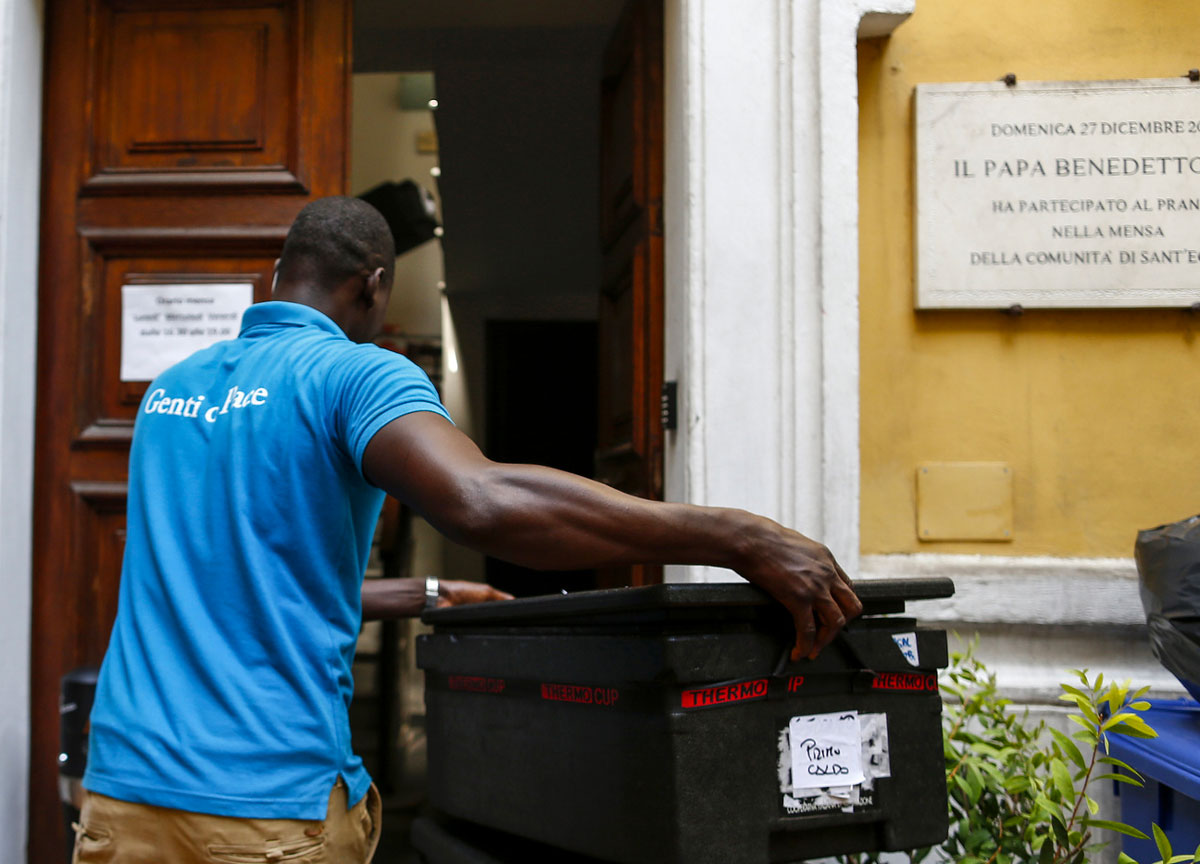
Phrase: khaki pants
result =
(118, 832)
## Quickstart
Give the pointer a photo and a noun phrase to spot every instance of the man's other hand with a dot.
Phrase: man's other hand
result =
(457, 592)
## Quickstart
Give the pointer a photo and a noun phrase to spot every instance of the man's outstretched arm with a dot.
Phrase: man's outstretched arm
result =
(547, 519)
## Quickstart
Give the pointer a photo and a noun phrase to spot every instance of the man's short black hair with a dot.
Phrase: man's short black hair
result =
(335, 238)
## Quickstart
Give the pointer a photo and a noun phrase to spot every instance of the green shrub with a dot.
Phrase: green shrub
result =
(1018, 792)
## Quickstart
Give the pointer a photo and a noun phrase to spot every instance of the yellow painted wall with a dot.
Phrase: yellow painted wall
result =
(1097, 411)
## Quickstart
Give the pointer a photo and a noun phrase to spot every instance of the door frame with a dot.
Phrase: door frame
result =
(21, 31)
(763, 337)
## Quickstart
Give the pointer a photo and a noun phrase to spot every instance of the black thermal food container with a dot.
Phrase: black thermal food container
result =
(667, 723)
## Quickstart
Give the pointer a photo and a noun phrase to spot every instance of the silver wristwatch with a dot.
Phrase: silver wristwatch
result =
(431, 592)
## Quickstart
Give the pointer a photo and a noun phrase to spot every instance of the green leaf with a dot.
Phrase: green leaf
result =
(1074, 691)
(1140, 706)
(975, 840)
(1122, 858)
(1141, 725)
(1119, 827)
(1092, 806)
(1016, 784)
(975, 779)
(1046, 856)
(1089, 712)
(1119, 778)
(993, 772)
(1060, 832)
(1116, 719)
(1063, 782)
(1113, 760)
(1133, 730)
(1069, 749)
(1091, 727)
(1115, 697)
(1161, 841)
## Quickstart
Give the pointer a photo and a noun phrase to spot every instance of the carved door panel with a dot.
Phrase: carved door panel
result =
(630, 433)
(179, 141)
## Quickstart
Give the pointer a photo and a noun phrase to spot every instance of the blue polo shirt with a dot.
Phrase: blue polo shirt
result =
(227, 682)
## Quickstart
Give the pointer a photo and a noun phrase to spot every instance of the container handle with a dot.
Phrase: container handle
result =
(842, 640)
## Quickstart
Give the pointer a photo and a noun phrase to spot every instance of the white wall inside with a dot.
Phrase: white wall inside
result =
(383, 147)
(20, 142)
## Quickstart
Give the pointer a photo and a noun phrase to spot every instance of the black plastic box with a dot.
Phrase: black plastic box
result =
(653, 725)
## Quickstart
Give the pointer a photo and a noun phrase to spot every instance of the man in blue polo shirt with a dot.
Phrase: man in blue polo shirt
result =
(258, 467)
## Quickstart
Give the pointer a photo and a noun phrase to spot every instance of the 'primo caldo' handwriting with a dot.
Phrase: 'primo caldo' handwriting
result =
(816, 752)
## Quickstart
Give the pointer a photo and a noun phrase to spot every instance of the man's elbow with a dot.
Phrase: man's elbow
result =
(472, 515)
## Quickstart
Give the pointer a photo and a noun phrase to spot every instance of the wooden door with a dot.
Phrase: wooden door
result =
(180, 140)
(630, 433)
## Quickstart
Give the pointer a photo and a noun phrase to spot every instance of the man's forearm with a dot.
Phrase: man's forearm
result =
(546, 519)
(392, 598)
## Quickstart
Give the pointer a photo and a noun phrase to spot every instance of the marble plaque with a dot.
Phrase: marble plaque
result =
(1058, 194)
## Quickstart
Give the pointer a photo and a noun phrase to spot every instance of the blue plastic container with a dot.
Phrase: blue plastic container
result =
(1170, 765)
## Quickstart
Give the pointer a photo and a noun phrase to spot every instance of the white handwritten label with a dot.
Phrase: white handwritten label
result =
(907, 643)
(163, 324)
(826, 750)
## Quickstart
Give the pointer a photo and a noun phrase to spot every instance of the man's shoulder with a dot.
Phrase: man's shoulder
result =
(369, 358)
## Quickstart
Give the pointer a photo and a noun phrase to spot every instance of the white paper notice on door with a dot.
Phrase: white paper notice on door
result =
(826, 750)
(163, 324)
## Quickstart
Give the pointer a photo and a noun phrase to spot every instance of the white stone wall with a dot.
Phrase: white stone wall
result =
(20, 135)
(762, 258)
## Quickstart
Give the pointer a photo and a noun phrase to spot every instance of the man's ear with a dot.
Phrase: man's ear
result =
(372, 287)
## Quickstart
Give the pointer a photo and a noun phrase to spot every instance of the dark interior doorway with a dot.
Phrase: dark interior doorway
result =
(541, 409)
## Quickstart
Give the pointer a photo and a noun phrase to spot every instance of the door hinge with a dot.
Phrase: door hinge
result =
(670, 404)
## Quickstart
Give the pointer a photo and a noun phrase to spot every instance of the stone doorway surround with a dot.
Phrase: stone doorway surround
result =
(20, 149)
(761, 229)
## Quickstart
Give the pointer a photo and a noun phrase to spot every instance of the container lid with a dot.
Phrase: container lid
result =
(649, 603)
(1173, 758)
